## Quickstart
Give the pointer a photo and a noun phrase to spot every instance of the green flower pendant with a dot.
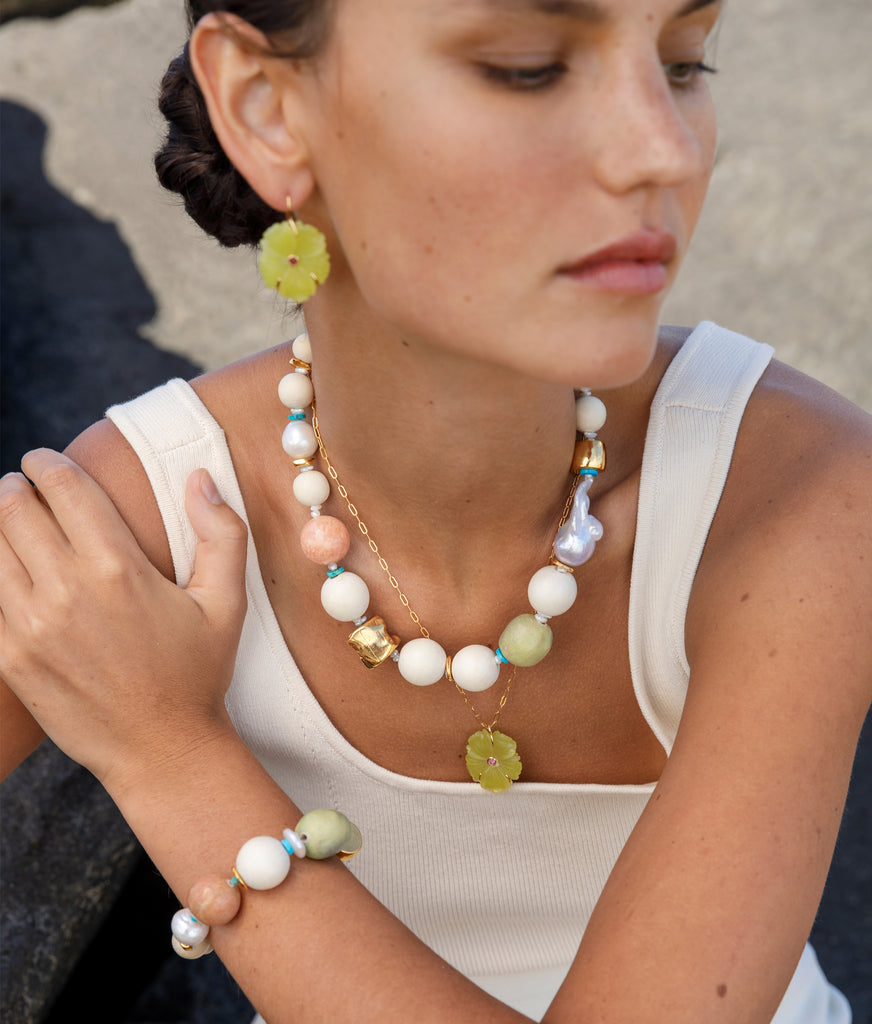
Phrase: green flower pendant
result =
(492, 760)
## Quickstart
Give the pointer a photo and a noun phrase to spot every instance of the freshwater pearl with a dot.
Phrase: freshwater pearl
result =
(213, 900)
(195, 952)
(475, 668)
(187, 929)
(311, 488)
(421, 661)
(263, 863)
(552, 592)
(296, 391)
(302, 348)
(298, 439)
(576, 539)
(325, 540)
(525, 641)
(590, 414)
(345, 597)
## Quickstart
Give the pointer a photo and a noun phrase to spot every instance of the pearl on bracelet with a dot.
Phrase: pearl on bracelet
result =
(187, 929)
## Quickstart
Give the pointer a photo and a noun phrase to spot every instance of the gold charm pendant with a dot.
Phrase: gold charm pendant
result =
(492, 760)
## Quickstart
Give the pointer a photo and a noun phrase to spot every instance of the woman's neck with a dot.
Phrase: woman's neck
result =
(442, 442)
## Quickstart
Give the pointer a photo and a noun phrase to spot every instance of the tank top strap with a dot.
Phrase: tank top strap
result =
(692, 429)
(173, 434)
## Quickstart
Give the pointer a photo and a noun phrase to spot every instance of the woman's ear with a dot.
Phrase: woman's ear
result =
(250, 97)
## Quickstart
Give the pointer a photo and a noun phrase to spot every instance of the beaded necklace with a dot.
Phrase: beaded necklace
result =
(492, 757)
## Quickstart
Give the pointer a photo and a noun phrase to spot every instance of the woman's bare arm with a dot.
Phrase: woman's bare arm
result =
(104, 454)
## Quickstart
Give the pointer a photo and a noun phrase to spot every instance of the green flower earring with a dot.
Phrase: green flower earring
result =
(293, 258)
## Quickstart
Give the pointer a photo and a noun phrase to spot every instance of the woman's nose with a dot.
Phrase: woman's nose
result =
(651, 134)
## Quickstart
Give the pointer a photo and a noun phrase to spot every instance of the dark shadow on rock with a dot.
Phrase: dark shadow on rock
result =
(44, 8)
(85, 919)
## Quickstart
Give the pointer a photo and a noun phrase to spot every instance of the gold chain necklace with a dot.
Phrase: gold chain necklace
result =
(491, 756)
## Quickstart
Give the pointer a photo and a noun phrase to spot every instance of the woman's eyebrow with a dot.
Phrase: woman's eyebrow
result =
(582, 10)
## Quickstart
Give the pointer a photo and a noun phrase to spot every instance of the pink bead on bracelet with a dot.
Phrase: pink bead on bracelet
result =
(262, 863)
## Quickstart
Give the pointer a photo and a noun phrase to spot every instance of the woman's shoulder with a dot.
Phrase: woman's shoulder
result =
(228, 394)
(791, 542)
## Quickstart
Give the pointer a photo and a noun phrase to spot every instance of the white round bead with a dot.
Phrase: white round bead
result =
(421, 662)
(590, 414)
(552, 592)
(345, 597)
(296, 391)
(311, 488)
(298, 439)
(475, 668)
(263, 863)
(302, 348)
(187, 929)
(194, 952)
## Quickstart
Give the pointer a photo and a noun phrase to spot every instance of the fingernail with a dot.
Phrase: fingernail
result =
(207, 486)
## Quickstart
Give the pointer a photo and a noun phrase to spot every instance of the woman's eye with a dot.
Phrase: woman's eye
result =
(525, 78)
(686, 72)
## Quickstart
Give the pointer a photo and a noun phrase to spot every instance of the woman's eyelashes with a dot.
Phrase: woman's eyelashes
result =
(687, 72)
(524, 78)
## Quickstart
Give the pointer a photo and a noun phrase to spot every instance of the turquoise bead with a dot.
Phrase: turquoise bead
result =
(526, 641)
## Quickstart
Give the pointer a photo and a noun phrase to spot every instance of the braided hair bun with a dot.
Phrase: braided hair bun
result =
(191, 160)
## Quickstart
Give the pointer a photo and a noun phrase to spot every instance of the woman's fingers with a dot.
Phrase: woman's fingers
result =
(83, 513)
(218, 580)
(30, 539)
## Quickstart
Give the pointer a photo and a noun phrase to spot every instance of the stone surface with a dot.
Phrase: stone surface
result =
(108, 290)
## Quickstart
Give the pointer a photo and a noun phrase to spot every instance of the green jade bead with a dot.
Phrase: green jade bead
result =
(525, 641)
(327, 833)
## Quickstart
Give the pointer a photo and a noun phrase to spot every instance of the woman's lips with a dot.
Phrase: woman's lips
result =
(635, 265)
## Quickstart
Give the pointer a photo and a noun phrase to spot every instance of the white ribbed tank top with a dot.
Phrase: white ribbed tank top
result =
(501, 886)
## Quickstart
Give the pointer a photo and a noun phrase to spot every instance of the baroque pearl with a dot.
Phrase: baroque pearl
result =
(422, 661)
(475, 668)
(325, 540)
(187, 929)
(194, 952)
(576, 539)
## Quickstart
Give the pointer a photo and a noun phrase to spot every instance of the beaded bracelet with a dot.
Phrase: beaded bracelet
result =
(262, 863)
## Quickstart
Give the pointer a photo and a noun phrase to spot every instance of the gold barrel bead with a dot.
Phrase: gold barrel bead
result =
(589, 454)
(372, 642)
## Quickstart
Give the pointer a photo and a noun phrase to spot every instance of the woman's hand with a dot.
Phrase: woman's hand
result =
(117, 664)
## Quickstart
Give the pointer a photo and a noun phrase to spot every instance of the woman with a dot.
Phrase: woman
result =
(506, 190)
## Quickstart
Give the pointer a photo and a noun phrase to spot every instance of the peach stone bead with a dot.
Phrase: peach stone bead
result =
(213, 900)
(325, 539)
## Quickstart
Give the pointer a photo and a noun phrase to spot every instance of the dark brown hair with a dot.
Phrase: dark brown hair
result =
(191, 160)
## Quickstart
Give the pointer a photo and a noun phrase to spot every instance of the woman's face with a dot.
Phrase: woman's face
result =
(475, 158)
